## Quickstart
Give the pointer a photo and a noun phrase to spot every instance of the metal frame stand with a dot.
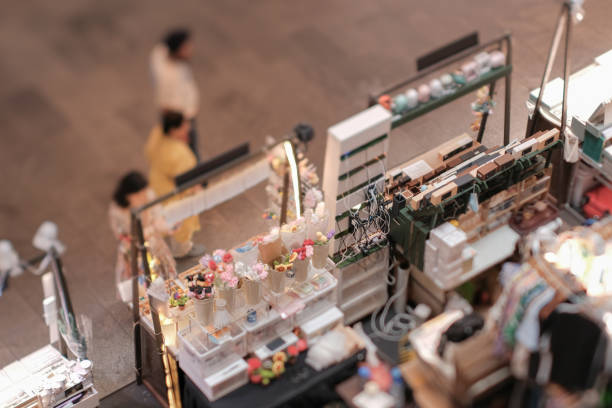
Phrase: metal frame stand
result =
(564, 170)
(564, 21)
(138, 250)
(506, 40)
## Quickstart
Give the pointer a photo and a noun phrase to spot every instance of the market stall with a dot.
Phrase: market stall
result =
(58, 374)
(268, 296)
(447, 259)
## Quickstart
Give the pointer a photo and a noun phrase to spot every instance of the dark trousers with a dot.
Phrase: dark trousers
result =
(193, 140)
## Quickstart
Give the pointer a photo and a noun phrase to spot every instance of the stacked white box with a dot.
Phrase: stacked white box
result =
(431, 258)
(447, 253)
(449, 241)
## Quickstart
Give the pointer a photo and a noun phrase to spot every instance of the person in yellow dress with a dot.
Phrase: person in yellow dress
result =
(169, 155)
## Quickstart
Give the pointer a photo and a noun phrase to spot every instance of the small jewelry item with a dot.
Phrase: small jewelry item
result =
(251, 316)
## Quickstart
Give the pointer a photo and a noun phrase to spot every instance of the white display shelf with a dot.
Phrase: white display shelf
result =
(321, 323)
(364, 275)
(602, 177)
(491, 249)
(366, 303)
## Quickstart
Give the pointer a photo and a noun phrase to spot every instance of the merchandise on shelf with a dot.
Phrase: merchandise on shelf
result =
(47, 379)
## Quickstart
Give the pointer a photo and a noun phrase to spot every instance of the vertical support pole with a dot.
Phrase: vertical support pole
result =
(159, 338)
(485, 115)
(62, 297)
(552, 53)
(566, 64)
(285, 197)
(507, 91)
(135, 298)
(565, 167)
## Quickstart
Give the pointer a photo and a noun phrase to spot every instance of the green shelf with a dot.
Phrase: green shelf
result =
(359, 256)
(433, 104)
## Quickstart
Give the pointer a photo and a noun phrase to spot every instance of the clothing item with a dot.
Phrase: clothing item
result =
(179, 249)
(154, 227)
(173, 83)
(528, 332)
(168, 158)
(577, 345)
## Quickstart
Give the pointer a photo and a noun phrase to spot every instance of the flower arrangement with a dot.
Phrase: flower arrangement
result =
(305, 251)
(294, 233)
(222, 267)
(263, 372)
(323, 239)
(256, 272)
(321, 249)
(201, 286)
(285, 262)
(312, 198)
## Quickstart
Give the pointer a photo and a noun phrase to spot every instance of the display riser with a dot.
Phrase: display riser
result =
(362, 286)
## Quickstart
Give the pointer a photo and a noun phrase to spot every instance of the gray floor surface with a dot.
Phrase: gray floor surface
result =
(75, 110)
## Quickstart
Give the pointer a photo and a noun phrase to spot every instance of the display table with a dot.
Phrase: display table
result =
(297, 382)
(23, 382)
(492, 249)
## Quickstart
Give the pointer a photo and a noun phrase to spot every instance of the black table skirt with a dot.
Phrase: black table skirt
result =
(299, 386)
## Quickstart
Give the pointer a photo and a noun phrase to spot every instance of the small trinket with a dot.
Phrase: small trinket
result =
(251, 316)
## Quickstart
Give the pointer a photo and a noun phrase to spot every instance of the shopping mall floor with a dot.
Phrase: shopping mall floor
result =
(76, 107)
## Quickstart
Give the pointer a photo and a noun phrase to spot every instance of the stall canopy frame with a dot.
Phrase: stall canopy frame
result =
(451, 54)
(232, 158)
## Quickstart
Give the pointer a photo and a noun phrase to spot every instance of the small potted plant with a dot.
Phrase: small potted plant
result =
(321, 249)
(301, 263)
(178, 300)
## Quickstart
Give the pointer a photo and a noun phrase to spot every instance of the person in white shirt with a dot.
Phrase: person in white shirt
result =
(173, 82)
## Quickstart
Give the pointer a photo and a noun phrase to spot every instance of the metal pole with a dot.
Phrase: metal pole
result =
(135, 298)
(507, 91)
(566, 65)
(63, 296)
(285, 197)
(485, 115)
(159, 339)
(549, 62)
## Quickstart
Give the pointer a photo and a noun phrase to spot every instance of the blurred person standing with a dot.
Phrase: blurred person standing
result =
(169, 155)
(173, 82)
(133, 191)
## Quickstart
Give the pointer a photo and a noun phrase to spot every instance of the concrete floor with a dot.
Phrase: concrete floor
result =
(75, 109)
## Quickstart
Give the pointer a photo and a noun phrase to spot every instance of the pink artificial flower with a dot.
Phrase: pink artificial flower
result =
(233, 282)
(205, 260)
(263, 274)
(219, 252)
(229, 268)
(309, 251)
